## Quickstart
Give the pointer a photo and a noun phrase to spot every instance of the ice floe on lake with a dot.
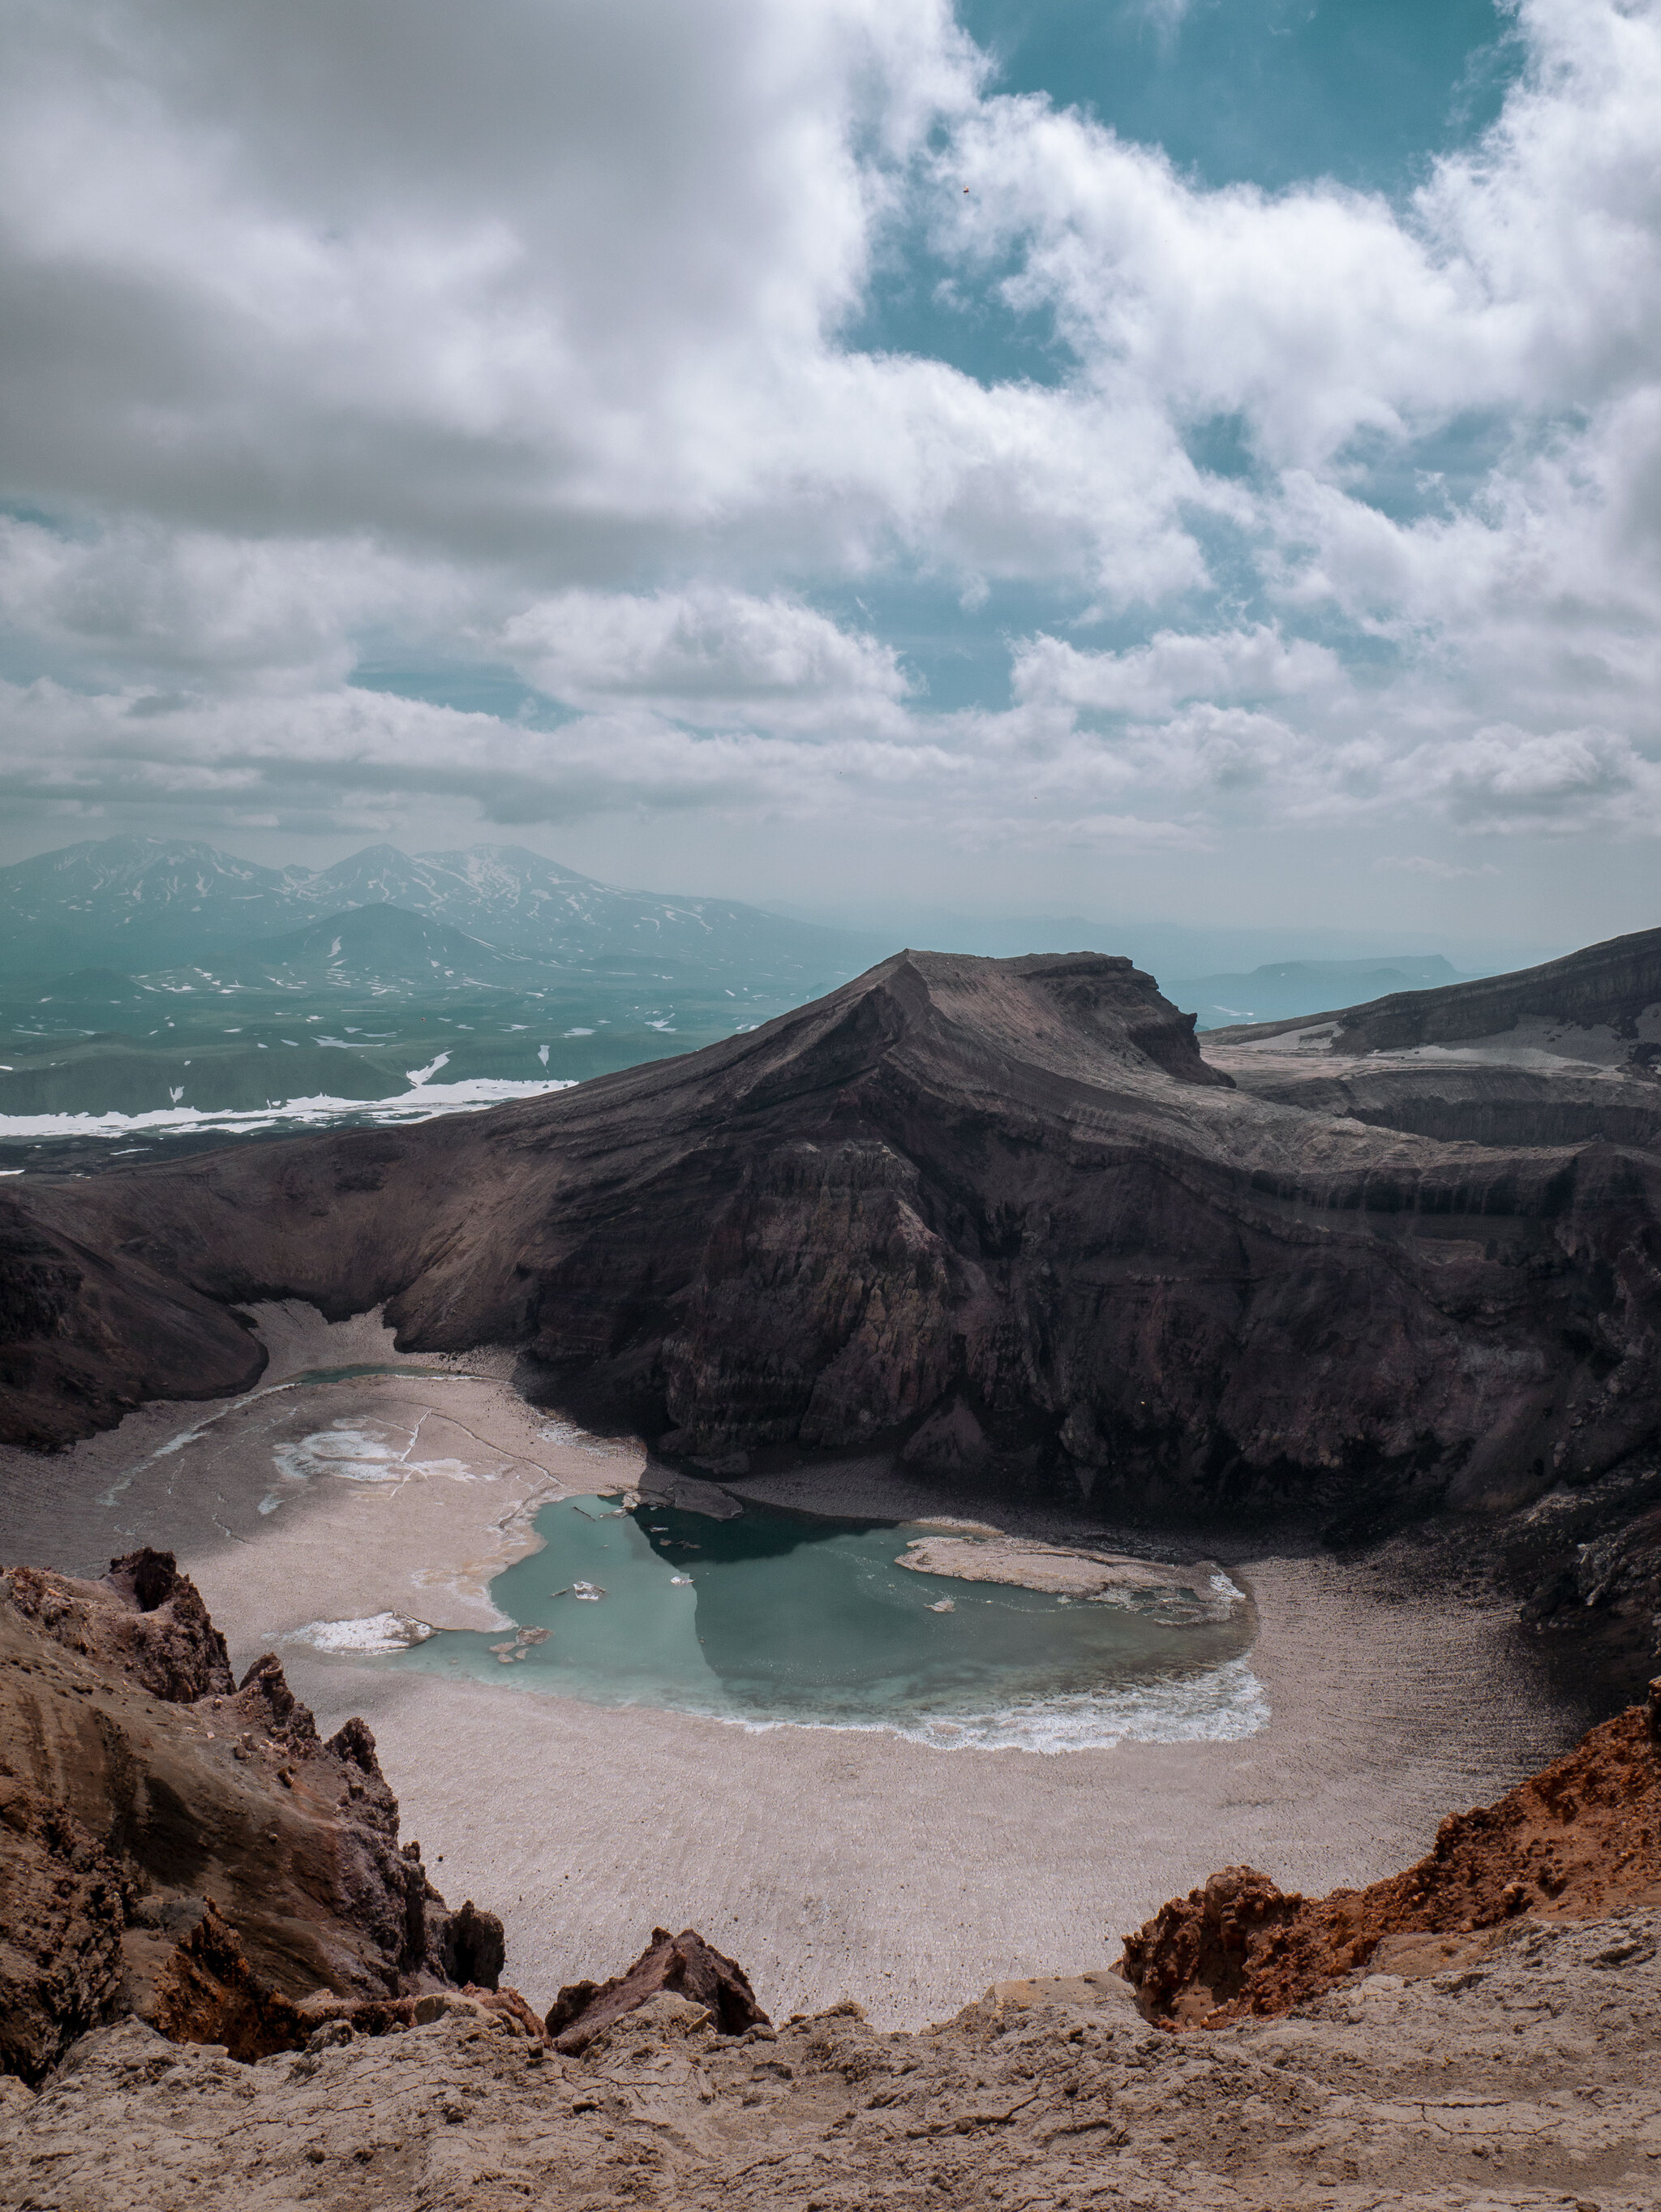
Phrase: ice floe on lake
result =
(377, 1634)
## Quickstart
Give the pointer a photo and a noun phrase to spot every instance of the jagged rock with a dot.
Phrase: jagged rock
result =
(1581, 1840)
(131, 1796)
(1421, 2095)
(65, 1905)
(469, 1945)
(684, 1966)
(206, 1993)
(144, 1618)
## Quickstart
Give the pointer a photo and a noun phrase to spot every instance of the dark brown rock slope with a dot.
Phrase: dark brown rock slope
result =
(1000, 1211)
(1559, 1056)
(176, 1847)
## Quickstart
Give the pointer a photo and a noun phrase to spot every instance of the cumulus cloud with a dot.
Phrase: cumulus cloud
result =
(1174, 667)
(710, 656)
(1507, 779)
(518, 336)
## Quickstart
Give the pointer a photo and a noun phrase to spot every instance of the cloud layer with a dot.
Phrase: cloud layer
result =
(515, 339)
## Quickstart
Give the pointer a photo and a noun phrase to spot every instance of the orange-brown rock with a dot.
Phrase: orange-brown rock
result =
(138, 1784)
(683, 1964)
(1580, 1841)
(207, 1992)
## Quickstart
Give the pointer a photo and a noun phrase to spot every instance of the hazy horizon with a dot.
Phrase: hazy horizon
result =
(1176, 949)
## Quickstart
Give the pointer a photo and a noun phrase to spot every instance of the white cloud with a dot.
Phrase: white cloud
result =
(519, 338)
(1562, 781)
(206, 606)
(1170, 668)
(1441, 872)
(709, 655)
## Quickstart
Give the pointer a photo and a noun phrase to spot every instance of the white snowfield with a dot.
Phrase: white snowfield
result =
(420, 1104)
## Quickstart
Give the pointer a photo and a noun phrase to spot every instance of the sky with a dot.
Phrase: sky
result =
(1194, 459)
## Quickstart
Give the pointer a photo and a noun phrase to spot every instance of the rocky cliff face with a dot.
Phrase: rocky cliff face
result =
(176, 1847)
(1610, 994)
(1580, 1841)
(1001, 1214)
(300, 2042)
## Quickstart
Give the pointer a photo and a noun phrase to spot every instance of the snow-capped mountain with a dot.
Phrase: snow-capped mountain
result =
(373, 946)
(134, 903)
(121, 900)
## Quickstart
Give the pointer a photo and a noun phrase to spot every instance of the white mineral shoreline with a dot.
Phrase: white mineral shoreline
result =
(831, 1863)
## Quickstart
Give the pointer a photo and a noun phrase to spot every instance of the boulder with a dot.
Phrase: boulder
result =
(684, 1966)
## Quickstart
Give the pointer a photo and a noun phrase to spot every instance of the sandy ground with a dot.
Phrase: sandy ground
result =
(354, 1480)
(831, 1863)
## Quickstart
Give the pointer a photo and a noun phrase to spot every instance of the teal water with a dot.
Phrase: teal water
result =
(778, 1618)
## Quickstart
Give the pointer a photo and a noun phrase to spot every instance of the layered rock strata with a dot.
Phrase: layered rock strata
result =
(1001, 1214)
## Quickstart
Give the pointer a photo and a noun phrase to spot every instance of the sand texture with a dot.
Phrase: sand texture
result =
(830, 1862)
(401, 1487)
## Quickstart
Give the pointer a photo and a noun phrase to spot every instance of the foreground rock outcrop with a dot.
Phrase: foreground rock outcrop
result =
(1530, 2081)
(683, 1966)
(175, 1846)
(297, 2038)
(1000, 1214)
(1580, 1841)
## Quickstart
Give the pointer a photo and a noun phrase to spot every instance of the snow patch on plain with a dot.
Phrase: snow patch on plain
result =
(423, 1104)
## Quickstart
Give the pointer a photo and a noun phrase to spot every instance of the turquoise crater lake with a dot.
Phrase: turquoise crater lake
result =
(777, 1618)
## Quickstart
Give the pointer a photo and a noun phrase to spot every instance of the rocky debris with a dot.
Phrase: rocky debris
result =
(1528, 2081)
(1581, 1840)
(144, 1618)
(683, 1966)
(177, 1846)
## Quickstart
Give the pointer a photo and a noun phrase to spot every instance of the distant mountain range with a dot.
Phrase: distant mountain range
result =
(1304, 987)
(139, 903)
